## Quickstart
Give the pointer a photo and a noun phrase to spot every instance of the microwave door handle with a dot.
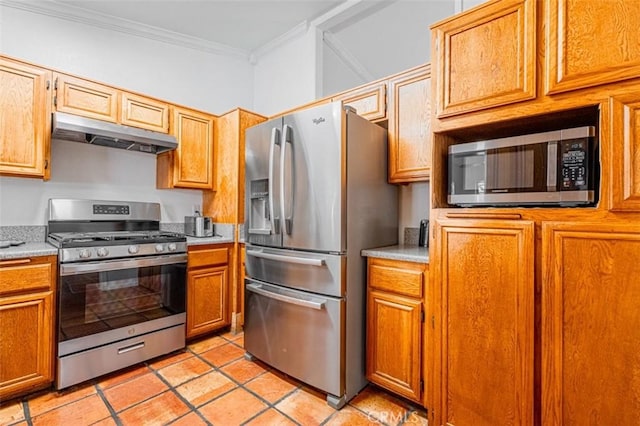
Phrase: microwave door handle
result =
(274, 219)
(257, 288)
(287, 213)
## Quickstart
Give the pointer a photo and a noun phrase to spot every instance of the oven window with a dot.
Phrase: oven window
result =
(100, 301)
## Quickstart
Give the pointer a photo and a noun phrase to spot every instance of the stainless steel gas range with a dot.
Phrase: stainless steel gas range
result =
(121, 286)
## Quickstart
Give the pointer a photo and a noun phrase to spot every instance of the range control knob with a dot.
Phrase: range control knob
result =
(102, 252)
(84, 253)
(172, 247)
(133, 249)
(159, 248)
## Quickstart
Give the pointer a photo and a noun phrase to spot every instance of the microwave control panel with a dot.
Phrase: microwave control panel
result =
(573, 164)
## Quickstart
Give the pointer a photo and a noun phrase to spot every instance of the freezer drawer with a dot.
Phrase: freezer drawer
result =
(300, 270)
(296, 332)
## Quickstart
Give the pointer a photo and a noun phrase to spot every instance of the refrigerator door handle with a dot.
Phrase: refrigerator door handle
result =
(288, 259)
(257, 288)
(273, 218)
(287, 138)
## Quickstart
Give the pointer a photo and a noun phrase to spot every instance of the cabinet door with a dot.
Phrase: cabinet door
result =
(369, 101)
(590, 323)
(86, 98)
(591, 42)
(410, 126)
(25, 122)
(485, 57)
(193, 159)
(145, 113)
(625, 155)
(206, 300)
(26, 343)
(484, 309)
(394, 333)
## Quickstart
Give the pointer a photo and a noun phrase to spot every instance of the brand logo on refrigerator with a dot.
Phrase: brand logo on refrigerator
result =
(318, 120)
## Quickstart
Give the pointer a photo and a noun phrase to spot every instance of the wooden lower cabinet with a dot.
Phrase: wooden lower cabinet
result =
(483, 308)
(207, 289)
(590, 324)
(394, 326)
(27, 289)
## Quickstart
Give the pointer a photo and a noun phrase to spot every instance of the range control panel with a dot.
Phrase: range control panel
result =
(111, 209)
(573, 164)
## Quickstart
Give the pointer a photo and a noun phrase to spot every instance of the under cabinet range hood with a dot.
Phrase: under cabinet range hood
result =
(81, 129)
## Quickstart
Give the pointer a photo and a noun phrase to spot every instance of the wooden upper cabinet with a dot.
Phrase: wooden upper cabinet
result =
(145, 113)
(484, 322)
(591, 42)
(485, 57)
(86, 98)
(25, 121)
(193, 159)
(410, 126)
(625, 155)
(369, 101)
(590, 323)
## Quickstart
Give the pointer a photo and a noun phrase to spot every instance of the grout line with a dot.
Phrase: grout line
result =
(112, 411)
(27, 412)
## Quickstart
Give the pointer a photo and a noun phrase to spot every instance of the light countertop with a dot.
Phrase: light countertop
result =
(407, 253)
(194, 241)
(28, 250)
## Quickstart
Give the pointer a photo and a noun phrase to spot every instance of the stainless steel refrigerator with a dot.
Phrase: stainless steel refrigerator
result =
(316, 195)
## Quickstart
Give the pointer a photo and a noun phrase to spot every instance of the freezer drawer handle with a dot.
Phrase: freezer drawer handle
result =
(257, 288)
(288, 259)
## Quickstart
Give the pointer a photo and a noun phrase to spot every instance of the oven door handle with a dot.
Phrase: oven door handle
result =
(257, 288)
(114, 265)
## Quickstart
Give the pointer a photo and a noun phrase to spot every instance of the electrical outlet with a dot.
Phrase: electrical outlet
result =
(197, 210)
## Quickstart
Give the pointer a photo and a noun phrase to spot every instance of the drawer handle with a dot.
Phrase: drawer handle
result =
(257, 288)
(502, 216)
(288, 259)
(15, 262)
(130, 348)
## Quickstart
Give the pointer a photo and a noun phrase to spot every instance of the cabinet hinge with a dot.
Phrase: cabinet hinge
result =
(55, 101)
(421, 316)
(421, 385)
(55, 84)
(433, 321)
(48, 84)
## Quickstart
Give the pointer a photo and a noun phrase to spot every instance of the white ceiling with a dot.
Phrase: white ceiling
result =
(241, 24)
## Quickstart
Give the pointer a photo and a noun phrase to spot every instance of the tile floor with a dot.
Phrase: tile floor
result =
(210, 383)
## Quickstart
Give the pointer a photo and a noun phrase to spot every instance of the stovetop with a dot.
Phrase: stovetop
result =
(111, 238)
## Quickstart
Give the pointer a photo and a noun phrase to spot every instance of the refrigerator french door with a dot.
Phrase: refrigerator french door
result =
(316, 195)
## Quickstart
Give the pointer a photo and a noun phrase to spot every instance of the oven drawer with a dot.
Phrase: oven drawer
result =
(296, 332)
(85, 365)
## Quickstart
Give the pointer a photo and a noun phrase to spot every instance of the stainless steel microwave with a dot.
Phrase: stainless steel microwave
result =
(546, 169)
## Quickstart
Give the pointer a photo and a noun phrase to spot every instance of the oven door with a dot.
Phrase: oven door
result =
(107, 301)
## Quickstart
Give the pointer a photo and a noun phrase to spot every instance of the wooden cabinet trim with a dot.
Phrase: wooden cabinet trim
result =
(524, 16)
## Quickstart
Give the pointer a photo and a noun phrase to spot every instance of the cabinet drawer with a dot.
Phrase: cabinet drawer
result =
(208, 257)
(394, 276)
(27, 274)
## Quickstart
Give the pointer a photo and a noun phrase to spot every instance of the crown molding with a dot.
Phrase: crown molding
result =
(76, 14)
(294, 32)
(346, 56)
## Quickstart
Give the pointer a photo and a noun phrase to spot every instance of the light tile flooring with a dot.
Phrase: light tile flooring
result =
(208, 383)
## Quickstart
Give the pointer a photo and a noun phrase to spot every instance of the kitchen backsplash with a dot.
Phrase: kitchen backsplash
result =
(411, 236)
